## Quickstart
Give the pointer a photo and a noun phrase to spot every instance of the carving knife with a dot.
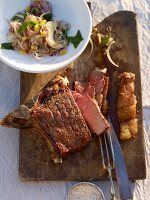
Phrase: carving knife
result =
(120, 166)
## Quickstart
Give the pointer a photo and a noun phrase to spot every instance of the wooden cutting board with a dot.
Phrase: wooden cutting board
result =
(34, 157)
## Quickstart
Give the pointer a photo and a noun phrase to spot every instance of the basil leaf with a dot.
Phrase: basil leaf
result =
(6, 46)
(24, 25)
(75, 40)
(48, 16)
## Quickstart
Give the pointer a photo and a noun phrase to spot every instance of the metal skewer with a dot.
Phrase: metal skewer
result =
(108, 159)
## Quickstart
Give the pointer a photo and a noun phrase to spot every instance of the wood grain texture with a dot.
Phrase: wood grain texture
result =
(34, 158)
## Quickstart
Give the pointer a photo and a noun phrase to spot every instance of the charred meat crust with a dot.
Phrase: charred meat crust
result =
(62, 122)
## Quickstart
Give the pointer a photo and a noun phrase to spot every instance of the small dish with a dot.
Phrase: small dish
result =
(85, 191)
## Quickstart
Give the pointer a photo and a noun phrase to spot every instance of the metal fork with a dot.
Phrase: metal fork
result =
(107, 156)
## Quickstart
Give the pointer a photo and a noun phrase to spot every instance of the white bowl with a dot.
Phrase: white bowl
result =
(76, 12)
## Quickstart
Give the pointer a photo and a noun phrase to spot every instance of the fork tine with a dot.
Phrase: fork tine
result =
(106, 162)
(102, 154)
(111, 147)
(107, 153)
(112, 188)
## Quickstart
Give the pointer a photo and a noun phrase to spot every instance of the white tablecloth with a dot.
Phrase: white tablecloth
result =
(11, 188)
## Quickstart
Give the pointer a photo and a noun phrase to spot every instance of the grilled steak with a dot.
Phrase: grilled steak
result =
(64, 117)
(56, 117)
(126, 107)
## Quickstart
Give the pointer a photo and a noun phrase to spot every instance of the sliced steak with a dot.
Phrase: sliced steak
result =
(92, 114)
(91, 97)
(85, 87)
(81, 87)
(96, 80)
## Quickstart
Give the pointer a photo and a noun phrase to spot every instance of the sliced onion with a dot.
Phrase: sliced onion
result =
(107, 52)
(57, 160)
(41, 16)
(104, 70)
(30, 32)
(15, 25)
(37, 55)
(58, 46)
(92, 47)
(24, 45)
(12, 37)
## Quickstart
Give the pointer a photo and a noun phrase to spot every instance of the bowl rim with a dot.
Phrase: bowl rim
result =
(61, 65)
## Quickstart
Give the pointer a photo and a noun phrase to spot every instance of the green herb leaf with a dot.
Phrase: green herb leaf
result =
(48, 16)
(65, 32)
(34, 11)
(104, 40)
(75, 40)
(18, 17)
(6, 46)
(25, 14)
(24, 25)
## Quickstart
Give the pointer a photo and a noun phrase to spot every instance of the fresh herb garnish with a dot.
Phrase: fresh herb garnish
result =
(104, 40)
(25, 14)
(6, 46)
(48, 16)
(65, 32)
(75, 40)
(18, 17)
(34, 11)
(24, 25)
